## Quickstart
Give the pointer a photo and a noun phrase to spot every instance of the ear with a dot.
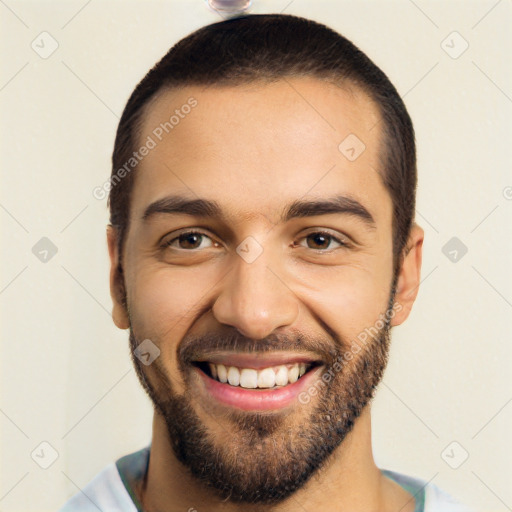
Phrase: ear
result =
(409, 275)
(117, 286)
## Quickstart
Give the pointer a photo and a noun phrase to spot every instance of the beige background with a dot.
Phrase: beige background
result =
(66, 376)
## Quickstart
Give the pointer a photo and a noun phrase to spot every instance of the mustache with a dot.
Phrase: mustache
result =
(193, 348)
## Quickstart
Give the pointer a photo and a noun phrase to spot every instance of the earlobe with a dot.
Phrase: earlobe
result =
(409, 275)
(117, 285)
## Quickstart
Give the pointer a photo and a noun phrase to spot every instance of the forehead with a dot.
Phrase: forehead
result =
(254, 147)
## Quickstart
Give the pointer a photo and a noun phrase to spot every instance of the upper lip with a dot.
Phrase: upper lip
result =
(257, 361)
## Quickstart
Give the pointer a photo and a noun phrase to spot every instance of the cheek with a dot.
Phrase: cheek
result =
(165, 300)
(348, 299)
(163, 305)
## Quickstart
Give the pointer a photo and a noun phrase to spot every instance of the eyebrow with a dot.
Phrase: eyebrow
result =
(180, 205)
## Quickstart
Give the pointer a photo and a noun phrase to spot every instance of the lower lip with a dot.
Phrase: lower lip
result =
(257, 399)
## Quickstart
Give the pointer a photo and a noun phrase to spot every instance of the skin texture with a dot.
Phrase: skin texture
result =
(253, 149)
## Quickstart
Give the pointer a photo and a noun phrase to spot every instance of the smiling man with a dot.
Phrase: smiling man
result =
(262, 245)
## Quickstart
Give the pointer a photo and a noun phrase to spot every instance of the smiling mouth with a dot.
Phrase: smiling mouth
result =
(270, 377)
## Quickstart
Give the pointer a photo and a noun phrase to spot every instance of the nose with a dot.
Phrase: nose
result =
(254, 298)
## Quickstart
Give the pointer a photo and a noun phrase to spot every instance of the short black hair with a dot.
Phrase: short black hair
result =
(269, 47)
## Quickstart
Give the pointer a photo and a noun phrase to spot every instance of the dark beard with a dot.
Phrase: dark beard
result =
(265, 462)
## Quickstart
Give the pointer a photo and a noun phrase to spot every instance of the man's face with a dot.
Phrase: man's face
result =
(254, 288)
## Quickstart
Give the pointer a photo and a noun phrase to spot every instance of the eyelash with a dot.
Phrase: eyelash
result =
(329, 235)
(195, 232)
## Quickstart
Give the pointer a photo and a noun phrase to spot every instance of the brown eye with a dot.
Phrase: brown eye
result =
(322, 241)
(189, 241)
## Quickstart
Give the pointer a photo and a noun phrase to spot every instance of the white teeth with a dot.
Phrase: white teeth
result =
(249, 378)
(233, 376)
(222, 374)
(282, 376)
(264, 379)
(293, 373)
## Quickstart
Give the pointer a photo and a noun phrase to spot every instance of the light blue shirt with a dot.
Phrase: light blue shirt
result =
(111, 490)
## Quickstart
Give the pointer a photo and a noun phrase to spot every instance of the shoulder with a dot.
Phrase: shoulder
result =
(429, 497)
(437, 500)
(105, 492)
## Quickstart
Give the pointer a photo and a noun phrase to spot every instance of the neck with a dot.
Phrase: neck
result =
(349, 481)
